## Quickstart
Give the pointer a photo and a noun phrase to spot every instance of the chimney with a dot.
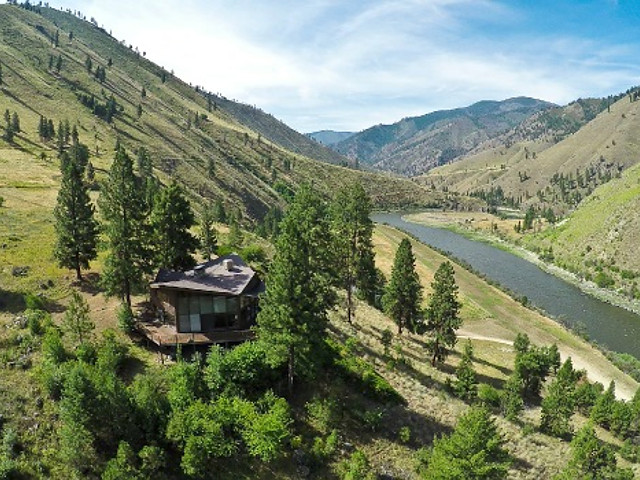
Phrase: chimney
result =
(198, 270)
(228, 264)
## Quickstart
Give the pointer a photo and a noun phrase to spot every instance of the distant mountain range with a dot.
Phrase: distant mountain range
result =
(415, 145)
(329, 137)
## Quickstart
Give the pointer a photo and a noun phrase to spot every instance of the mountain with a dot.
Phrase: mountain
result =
(329, 137)
(217, 149)
(417, 144)
(554, 159)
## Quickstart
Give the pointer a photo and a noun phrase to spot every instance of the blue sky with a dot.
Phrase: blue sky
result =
(348, 65)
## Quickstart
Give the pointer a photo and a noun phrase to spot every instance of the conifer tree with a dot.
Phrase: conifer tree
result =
(15, 123)
(171, 220)
(150, 185)
(60, 138)
(208, 234)
(126, 229)
(466, 386)
(76, 228)
(511, 402)
(442, 313)
(59, 63)
(8, 129)
(1, 80)
(352, 230)
(602, 411)
(293, 315)
(76, 322)
(403, 295)
(473, 451)
(559, 403)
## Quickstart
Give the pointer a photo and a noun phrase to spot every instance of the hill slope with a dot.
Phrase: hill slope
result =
(415, 145)
(530, 166)
(201, 144)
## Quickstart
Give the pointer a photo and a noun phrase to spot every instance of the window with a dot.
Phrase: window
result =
(203, 313)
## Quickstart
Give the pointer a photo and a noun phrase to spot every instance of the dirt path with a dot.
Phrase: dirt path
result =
(624, 390)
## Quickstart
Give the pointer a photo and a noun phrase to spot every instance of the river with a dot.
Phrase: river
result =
(613, 327)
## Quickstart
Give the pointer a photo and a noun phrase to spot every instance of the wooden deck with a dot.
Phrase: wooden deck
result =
(165, 335)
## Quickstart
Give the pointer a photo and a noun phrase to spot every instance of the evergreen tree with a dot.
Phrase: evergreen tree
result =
(466, 386)
(602, 411)
(474, 451)
(88, 63)
(1, 80)
(67, 131)
(76, 228)
(15, 123)
(61, 143)
(403, 294)
(8, 129)
(352, 230)
(559, 404)
(150, 185)
(76, 322)
(511, 401)
(208, 234)
(126, 229)
(293, 315)
(219, 212)
(171, 220)
(59, 63)
(442, 313)
(593, 459)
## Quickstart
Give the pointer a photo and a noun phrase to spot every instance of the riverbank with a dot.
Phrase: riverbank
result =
(438, 220)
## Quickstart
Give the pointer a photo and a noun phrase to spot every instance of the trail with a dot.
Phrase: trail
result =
(594, 373)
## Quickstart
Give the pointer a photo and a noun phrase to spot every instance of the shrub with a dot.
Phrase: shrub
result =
(126, 320)
(357, 467)
(488, 395)
(37, 321)
(405, 434)
(253, 254)
(322, 414)
(33, 302)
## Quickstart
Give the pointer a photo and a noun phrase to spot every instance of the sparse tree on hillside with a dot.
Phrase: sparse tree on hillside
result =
(559, 403)
(208, 234)
(15, 123)
(473, 451)
(352, 229)
(8, 129)
(1, 81)
(403, 295)
(76, 322)
(293, 315)
(76, 228)
(56, 38)
(442, 313)
(89, 64)
(171, 220)
(123, 209)
(60, 143)
(465, 385)
(59, 63)
(143, 93)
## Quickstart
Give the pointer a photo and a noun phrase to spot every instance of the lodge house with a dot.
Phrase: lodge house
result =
(216, 302)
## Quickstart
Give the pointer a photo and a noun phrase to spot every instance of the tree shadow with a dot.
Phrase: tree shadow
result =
(11, 302)
(90, 283)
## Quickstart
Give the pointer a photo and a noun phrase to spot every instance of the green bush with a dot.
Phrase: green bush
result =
(405, 434)
(322, 414)
(126, 320)
(33, 302)
(253, 254)
(357, 467)
(489, 395)
(603, 280)
(37, 321)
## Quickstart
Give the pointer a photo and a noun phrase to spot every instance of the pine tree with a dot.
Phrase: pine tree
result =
(293, 315)
(442, 313)
(559, 403)
(76, 228)
(602, 411)
(8, 130)
(208, 234)
(473, 451)
(1, 80)
(67, 131)
(171, 220)
(60, 138)
(76, 322)
(466, 386)
(88, 63)
(511, 401)
(403, 294)
(15, 123)
(123, 210)
(352, 230)
(59, 63)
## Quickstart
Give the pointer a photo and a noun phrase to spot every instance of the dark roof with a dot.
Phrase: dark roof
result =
(211, 276)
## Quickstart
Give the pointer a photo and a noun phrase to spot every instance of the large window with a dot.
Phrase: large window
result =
(204, 313)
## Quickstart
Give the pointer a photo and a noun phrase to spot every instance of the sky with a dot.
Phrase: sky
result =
(349, 64)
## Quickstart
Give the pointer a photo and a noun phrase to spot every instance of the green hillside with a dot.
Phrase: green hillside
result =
(201, 144)
(553, 160)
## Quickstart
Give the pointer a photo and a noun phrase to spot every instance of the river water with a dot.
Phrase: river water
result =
(610, 326)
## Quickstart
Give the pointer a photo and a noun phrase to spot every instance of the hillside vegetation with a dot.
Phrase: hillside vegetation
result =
(415, 145)
(529, 166)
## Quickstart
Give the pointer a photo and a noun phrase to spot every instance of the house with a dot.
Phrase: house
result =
(216, 302)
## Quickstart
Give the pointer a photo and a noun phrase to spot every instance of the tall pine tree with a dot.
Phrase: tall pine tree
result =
(442, 313)
(208, 234)
(171, 220)
(403, 294)
(76, 228)
(293, 315)
(123, 210)
(354, 254)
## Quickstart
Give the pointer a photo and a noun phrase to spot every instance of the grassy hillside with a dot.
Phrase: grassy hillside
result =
(599, 240)
(203, 145)
(415, 145)
(531, 168)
